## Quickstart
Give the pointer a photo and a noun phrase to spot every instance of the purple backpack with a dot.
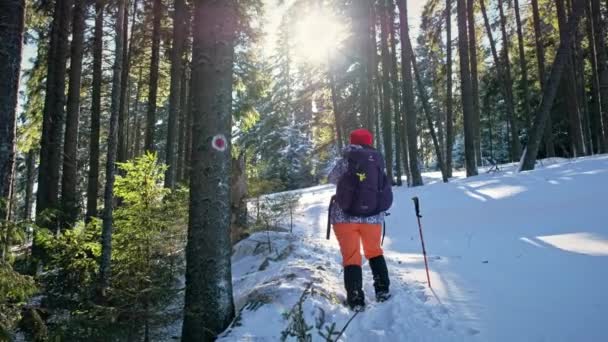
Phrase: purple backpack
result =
(364, 190)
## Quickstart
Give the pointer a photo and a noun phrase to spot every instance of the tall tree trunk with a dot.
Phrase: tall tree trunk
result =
(12, 14)
(396, 95)
(408, 96)
(123, 116)
(372, 64)
(30, 178)
(466, 90)
(153, 87)
(596, 103)
(93, 184)
(189, 124)
(137, 117)
(336, 109)
(181, 145)
(106, 234)
(424, 98)
(540, 56)
(602, 64)
(523, 66)
(579, 72)
(474, 78)
(53, 117)
(360, 22)
(449, 109)
(69, 180)
(179, 35)
(209, 306)
(508, 84)
(552, 84)
(568, 89)
(387, 116)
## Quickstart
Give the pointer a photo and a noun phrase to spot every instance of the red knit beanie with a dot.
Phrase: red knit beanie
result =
(361, 136)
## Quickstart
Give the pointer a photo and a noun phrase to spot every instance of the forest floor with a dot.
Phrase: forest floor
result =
(512, 257)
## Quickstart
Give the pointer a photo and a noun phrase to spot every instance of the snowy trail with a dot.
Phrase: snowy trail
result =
(513, 257)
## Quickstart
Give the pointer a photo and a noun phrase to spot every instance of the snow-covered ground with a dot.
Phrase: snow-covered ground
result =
(513, 257)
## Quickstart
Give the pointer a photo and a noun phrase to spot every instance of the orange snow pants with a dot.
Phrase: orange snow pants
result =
(351, 235)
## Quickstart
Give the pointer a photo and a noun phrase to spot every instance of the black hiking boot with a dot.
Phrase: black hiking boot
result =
(353, 281)
(381, 280)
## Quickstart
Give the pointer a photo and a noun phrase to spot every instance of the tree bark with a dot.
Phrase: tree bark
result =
(372, 64)
(474, 78)
(106, 234)
(466, 90)
(30, 178)
(568, 88)
(523, 66)
(408, 96)
(508, 84)
(336, 109)
(602, 65)
(550, 90)
(12, 14)
(153, 87)
(181, 145)
(53, 116)
(209, 306)
(449, 111)
(540, 56)
(69, 180)
(179, 35)
(93, 184)
(396, 95)
(596, 103)
(123, 116)
(387, 116)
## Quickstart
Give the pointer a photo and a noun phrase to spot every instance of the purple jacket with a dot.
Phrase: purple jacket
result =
(337, 215)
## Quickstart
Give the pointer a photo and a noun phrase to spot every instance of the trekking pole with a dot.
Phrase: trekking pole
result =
(418, 216)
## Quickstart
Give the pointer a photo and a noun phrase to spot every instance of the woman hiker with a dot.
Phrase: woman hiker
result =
(357, 214)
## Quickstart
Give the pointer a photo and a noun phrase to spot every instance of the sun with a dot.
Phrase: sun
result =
(317, 37)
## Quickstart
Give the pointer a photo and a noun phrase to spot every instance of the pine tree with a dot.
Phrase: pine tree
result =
(551, 86)
(540, 56)
(466, 90)
(396, 95)
(449, 111)
(209, 306)
(12, 14)
(601, 56)
(153, 87)
(523, 65)
(387, 117)
(568, 88)
(507, 80)
(93, 182)
(408, 96)
(474, 77)
(108, 219)
(53, 119)
(69, 180)
(179, 35)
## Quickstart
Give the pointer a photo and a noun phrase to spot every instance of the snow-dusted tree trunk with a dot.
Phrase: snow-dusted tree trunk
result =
(209, 306)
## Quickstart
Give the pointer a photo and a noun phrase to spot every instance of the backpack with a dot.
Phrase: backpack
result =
(364, 189)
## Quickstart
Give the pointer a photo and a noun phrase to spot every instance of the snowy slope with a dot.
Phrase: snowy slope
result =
(513, 257)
